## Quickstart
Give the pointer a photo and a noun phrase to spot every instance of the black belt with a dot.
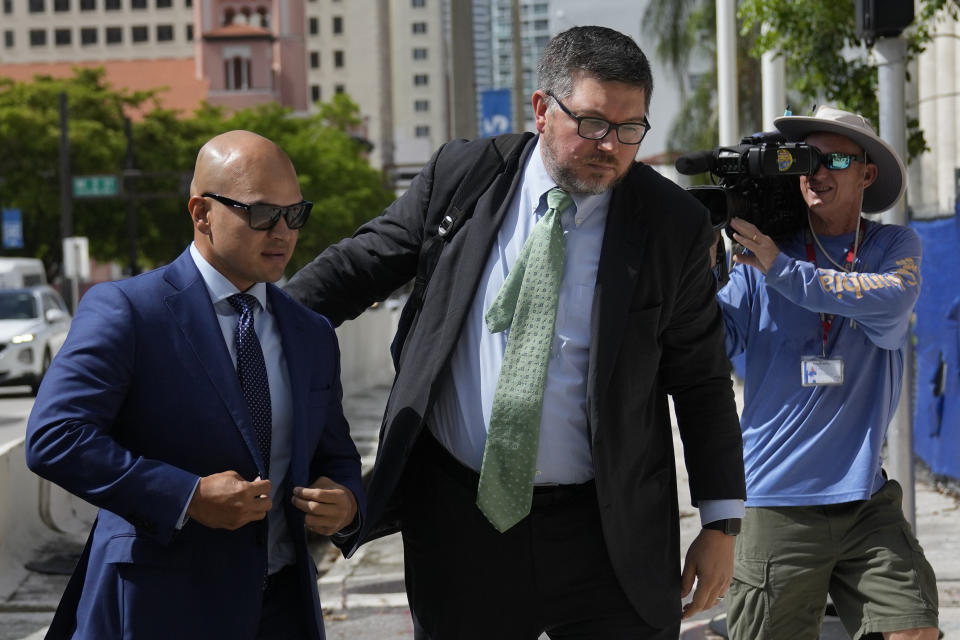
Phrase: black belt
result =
(278, 578)
(543, 495)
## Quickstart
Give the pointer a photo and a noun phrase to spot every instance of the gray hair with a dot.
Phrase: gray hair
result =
(605, 54)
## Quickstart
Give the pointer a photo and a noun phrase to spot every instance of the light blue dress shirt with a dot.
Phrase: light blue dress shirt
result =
(279, 544)
(461, 415)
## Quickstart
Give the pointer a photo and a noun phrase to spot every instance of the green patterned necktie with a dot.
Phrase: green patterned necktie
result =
(527, 303)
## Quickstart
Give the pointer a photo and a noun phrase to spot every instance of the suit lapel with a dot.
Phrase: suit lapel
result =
(192, 311)
(474, 243)
(621, 260)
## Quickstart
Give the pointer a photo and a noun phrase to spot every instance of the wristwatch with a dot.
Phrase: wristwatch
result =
(730, 526)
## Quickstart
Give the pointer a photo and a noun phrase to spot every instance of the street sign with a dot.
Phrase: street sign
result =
(495, 112)
(95, 186)
(12, 229)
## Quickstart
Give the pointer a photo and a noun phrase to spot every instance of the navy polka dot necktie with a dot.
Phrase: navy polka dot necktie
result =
(252, 373)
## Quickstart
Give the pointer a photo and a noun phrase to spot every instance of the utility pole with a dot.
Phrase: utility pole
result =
(70, 286)
(129, 174)
(891, 54)
(880, 25)
(519, 100)
(729, 124)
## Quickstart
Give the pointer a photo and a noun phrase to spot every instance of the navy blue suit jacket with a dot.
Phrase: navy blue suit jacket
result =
(143, 399)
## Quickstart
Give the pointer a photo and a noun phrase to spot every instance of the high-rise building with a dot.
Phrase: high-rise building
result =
(390, 56)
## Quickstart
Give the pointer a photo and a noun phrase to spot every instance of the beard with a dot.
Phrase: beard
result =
(569, 180)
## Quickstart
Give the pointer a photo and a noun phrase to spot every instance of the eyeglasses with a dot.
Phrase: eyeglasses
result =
(597, 128)
(264, 216)
(836, 160)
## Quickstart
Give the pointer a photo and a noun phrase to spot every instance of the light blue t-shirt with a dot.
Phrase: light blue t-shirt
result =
(808, 445)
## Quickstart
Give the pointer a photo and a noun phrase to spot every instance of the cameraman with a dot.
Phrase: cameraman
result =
(823, 320)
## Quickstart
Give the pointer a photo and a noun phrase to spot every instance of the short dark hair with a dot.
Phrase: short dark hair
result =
(603, 53)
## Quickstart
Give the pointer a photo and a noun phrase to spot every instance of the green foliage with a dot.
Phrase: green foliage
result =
(686, 36)
(825, 61)
(331, 165)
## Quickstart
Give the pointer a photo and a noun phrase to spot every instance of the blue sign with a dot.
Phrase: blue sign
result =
(495, 112)
(12, 229)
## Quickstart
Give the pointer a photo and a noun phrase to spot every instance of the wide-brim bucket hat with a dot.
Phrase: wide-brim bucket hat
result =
(891, 174)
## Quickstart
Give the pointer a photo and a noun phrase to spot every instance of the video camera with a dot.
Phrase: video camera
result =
(758, 180)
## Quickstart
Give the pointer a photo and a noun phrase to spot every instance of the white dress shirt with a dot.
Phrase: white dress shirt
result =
(280, 546)
(461, 414)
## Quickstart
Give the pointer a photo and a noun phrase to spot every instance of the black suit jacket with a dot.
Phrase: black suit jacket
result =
(656, 330)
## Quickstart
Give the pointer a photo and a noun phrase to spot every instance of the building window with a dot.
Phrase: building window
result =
(62, 37)
(337, 24)
(138, 4)
(190, 32)
(88, 36)
(38, 37)
(61, 5)
(237, 73)
(8, 6)
(421, 80)
(164, 4)
(315, 93)
(36, 6)
(188, 3)
(419, 27)
(164, 32)
(8, 40)
(419, 53)
(314, 26)
(264, 17)
(314, 59)
(111, 5)
(338, 59)
(339, 88)
(88, 5)
(138, 33)
(422, 131)
(114, 35)
(421, 105)
(418, 4)
(539, 25)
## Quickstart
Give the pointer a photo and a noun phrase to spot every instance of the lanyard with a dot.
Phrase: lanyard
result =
(826, 321)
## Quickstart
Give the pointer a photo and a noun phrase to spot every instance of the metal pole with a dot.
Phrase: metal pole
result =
(774, 87)
(129, 188)
(70, 289)
(519, 100)
(729, 124)
(891, 53)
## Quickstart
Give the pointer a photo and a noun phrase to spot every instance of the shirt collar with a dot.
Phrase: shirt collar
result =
(536, 182)
(218, 286)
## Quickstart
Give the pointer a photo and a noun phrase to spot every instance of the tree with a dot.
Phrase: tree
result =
(331, 164)
(29, 137)
(825, 60)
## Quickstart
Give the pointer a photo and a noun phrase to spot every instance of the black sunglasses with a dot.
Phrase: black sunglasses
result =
(837, 160)
(598, 128)
(263, 216)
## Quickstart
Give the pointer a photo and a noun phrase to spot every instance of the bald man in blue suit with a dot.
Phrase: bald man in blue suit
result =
(204, 499)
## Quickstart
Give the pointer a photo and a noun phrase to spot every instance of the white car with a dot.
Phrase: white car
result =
(33, 326)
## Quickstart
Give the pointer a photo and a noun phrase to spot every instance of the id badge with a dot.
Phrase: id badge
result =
(818, 372)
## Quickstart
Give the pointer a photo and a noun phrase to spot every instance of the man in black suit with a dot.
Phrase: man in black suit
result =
(580, 538)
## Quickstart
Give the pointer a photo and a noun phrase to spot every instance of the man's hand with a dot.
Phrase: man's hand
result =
(710, 561)
(763, 250)
(329, 506)
(227, 501)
